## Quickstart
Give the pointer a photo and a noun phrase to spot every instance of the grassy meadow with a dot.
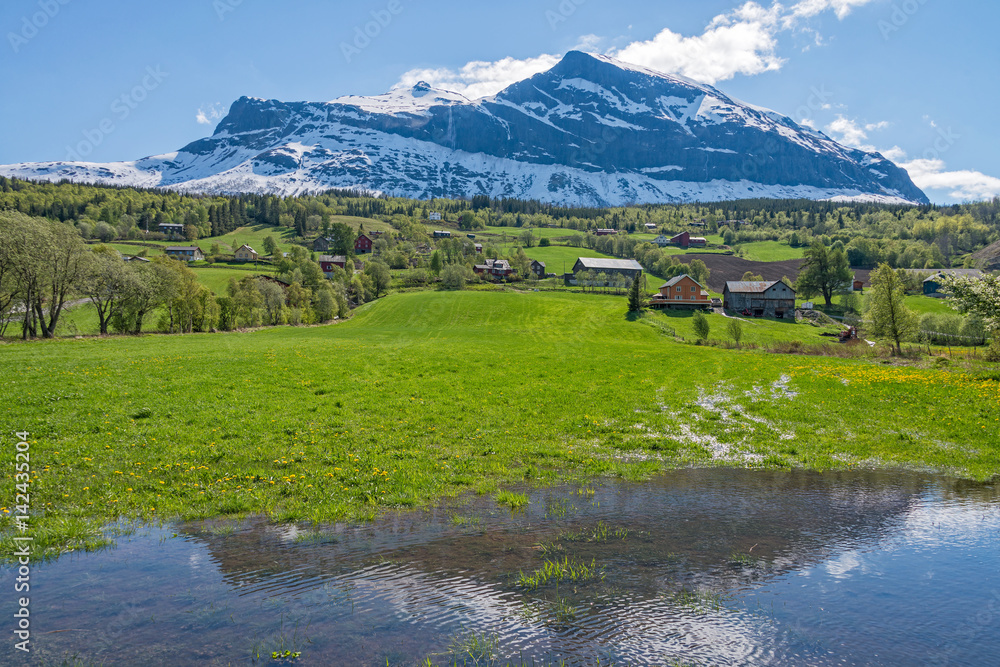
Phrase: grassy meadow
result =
(430, 394)
(771, 251)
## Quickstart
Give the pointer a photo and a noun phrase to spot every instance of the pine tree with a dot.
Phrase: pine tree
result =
(635, 300)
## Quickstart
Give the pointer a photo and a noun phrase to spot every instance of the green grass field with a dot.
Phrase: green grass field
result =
(771, 251)
(537, 232)
(926, 304)
(430, 394)
(217, 277)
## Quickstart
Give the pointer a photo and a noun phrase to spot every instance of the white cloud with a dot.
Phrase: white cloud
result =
(894, 154)
(848, 132)
(480, 78)
(930, 174)
(210, 114)
(742, 41)
(723, 51)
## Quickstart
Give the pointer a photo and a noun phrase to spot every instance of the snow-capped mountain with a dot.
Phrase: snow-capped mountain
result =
(590, 131)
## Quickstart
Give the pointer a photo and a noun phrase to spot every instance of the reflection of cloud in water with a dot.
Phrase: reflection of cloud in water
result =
(640, 631)
(842, 565)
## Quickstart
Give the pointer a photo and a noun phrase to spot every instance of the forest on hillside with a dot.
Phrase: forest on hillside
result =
(902, 236)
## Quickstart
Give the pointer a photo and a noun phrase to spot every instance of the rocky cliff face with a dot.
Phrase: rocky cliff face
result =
(590, 131)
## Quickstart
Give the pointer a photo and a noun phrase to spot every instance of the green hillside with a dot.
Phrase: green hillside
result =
(436, 393)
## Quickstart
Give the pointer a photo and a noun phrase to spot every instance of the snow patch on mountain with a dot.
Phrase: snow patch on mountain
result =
(591, 131)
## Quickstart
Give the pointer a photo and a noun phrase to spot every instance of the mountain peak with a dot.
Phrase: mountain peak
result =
(592, 130)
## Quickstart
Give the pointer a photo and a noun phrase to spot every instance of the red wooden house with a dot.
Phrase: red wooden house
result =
(363, 245)
(327, 262)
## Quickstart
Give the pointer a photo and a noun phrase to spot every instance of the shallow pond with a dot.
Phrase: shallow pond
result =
(696, 567)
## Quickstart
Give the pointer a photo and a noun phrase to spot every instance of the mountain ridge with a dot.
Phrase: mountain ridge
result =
(589, 131)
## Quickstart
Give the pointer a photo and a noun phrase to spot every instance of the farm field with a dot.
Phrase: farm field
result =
(771, 251)
(431, 394)
(216, 277)
(537, 232)
(919, 303)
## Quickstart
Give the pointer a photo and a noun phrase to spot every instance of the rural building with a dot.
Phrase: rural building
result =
(682, 292)
(495, 269)
(859, 286)
(185, 253)
(479, 248)
(629, 268)
(327, 262)
(662, 240)
(607, 232)
(323, 244)
(246, 254)
(684, 240)
(172, 230)
(932, 285)
(363, 245)
(441, 234)
(650, 227)
(538, 268)
(761, 298)
(434, 217)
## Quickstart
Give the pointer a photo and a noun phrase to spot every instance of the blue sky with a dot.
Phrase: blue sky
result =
(914, 79)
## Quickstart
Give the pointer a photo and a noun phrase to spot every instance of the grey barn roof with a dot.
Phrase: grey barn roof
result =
(959, 273)
(750, 287)
(612, 264)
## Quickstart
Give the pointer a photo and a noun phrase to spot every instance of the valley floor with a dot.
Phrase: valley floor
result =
(430, 394)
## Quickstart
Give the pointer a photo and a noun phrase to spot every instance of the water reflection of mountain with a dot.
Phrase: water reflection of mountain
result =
(708, 567)
(694, 537)
(699, 517)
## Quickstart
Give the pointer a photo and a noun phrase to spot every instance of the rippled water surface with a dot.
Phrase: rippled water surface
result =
(697, 567)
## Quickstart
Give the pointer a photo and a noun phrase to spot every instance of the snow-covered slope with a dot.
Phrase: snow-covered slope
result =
(590, 131)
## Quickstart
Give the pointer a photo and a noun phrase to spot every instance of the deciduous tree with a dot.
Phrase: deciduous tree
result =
(887, 315)
(825, 272)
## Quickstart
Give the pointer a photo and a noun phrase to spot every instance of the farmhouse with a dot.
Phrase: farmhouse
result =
(323, 243)
(185, 253)
(479, 248)
(327, 262)
(681, 292)
(246, 254)
(538, 268)
(932, 285)
(442, 234)
(650, 227)
(363, 245)
(760, 298)
(434, 216)
(629, 268)
(172, 230)
(684, 240)
(607, 232)
(495, 269)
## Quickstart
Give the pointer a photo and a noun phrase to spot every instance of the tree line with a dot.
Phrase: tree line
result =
(45, 268)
